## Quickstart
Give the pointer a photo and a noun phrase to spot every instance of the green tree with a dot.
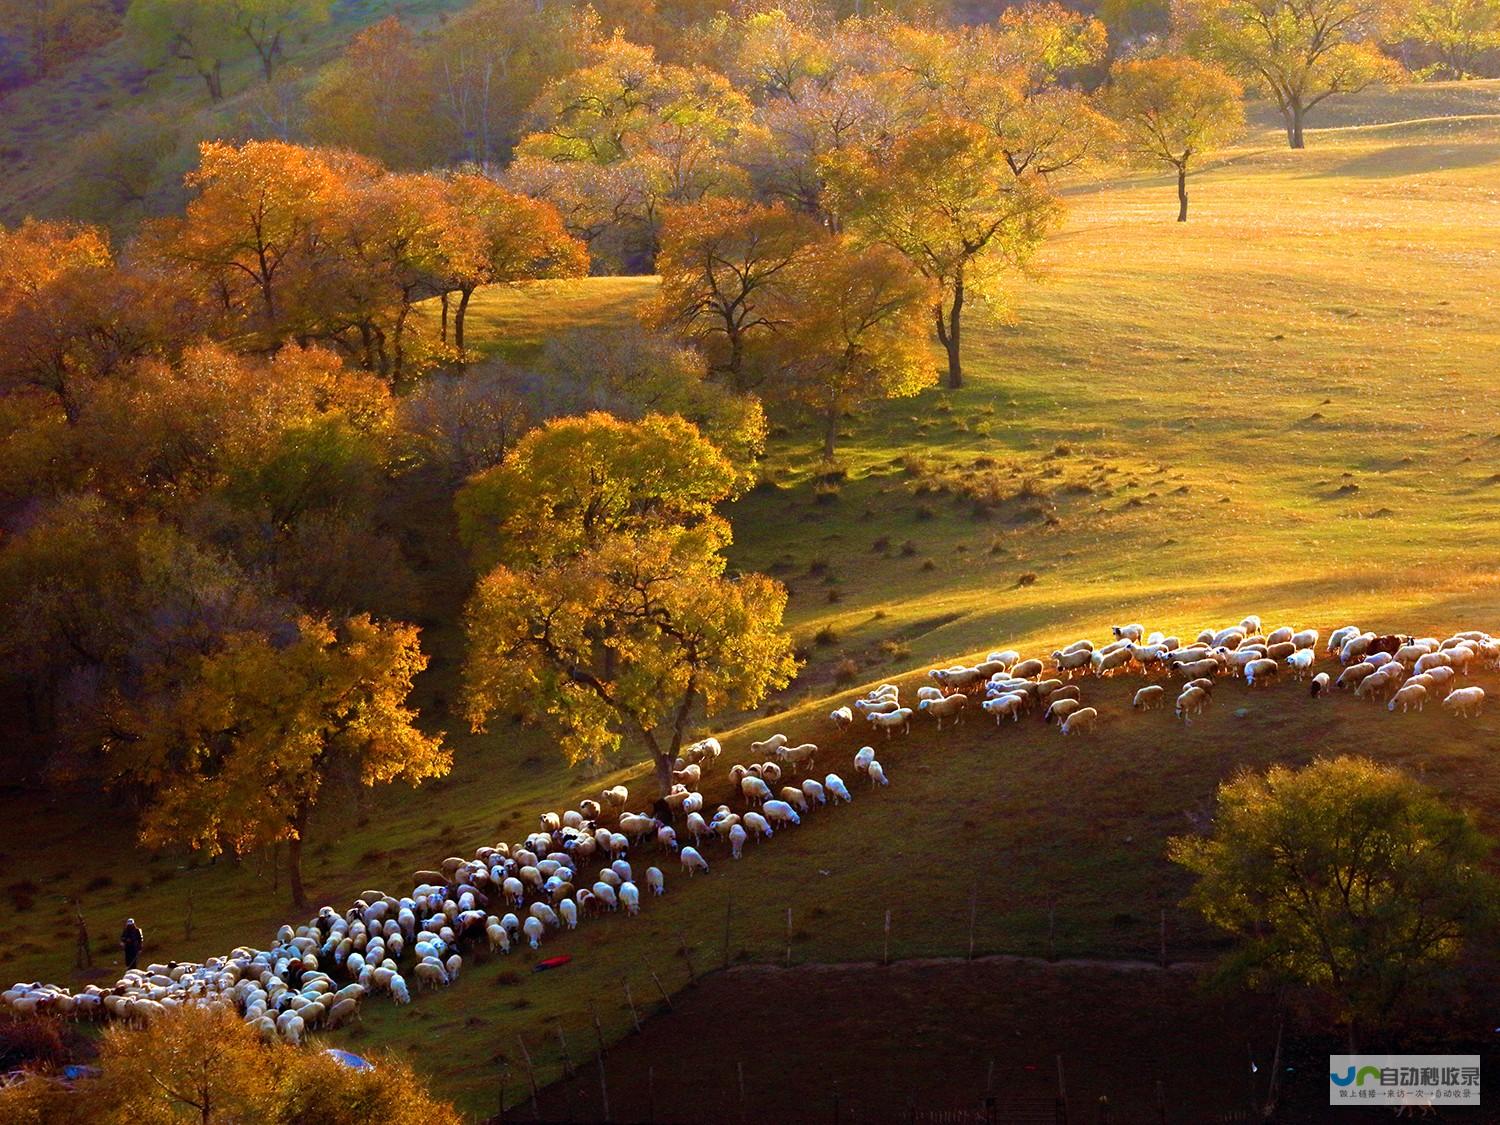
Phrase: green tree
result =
(943, 196)
(1173, 111)
(200, 33)
(1297, 52)
(1461, 34)
(1346, 876)
(607, 612)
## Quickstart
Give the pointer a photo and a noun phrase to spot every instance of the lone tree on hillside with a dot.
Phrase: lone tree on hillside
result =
(1173, 111)
(944, 196)
(1461, 34)
(606, 612)
(1299, 52)
(1347, 877)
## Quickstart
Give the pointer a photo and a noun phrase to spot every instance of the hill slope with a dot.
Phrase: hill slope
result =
(1282, 407)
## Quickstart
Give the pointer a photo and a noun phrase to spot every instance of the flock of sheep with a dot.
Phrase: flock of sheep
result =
(316, 975)
(1401, 671)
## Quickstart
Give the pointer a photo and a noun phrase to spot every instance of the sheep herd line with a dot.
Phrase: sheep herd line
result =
(317, 975)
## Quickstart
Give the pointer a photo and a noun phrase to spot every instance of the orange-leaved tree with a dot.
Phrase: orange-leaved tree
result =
(235, 754)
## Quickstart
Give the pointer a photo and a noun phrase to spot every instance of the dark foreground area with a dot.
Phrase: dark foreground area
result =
(952, 1042)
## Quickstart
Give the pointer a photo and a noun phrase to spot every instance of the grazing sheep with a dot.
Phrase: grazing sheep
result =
(1106, 663)
(1078, 661)
(781, 813)
(1300, 662)
(758, 826)
(868, 707)
(863, 758)
(842, 717)
(836, 788)
(589, 809)
(1466, 703)
(813, 791)
(927, 691)
(691, 776)
(1004, 659)
(1409, 696)
(1195, 669)
(1192, 702)
(656, 881)
(1069, 692)
(1027, 669)
(1442, 677)
(1149, 698)
(1306, 638)
(1128, 632)
(755, 790)
(1011, 704)
(1261, 672)
(899, 719)
(533, 929)
(704, 750)
(797, 756)
(630, 899)
(1061, 710)
(1276, 636)
(770, 745)
(737, 837)
(940, 709)
(1351, 676)
(692, 862)
(1355, 648)
(1084, 719)
(567, 910)
(877, 775)
(795, 797)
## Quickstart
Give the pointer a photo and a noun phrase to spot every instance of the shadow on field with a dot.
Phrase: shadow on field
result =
(1414, 160)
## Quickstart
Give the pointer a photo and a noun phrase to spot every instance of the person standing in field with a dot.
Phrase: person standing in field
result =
(131, 940)
(82, 955)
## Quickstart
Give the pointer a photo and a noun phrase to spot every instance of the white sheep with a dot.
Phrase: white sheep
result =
(1027, 669)
(836, 788)
(813, 790)
(1407, 697)
(614, 798)
(758, 826)
(863, 758)
(797, 756)
(1192, 702)
(1105, 663)
(755, 790)
(877, 775)
(1128, 632)
(1466, 703)
(1012, 704)
(656, 882)
(761, 749)
(1149, 698)
(1301, 662)
(927, 691)
(1261, 672)
(737, 837)
(1084, 719)
(692, 862)
(842, 717)
(567, 910)
(630, 899)
(533, 929)
(900, 719)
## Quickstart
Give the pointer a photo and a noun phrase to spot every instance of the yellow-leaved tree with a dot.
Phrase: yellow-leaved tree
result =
(606, 611)
(235, 753)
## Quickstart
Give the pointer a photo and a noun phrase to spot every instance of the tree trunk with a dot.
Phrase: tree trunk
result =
(294, 866)
(664, 764)
(949, 331)
(830, 432)
(458, 319)
(1182, 193)
(214, 80)
(443, 334)
(1293, 114)
(736, 362)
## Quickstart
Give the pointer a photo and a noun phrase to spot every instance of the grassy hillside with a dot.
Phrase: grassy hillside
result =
(1283, 407)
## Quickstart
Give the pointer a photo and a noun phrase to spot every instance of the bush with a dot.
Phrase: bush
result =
(845, 672)
(31, 1041)
(1027, 579)
(827, 635)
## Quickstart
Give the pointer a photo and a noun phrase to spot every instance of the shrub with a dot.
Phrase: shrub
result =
(827, 635)
(846, 671)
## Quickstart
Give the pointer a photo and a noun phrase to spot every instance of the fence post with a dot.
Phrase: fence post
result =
(598, 1031)
(687, 956)
(662, 990)
(603, 1086)
(568, 1069)
(973, 911)
(885, 957)
(631, 1001)
(536, 1109)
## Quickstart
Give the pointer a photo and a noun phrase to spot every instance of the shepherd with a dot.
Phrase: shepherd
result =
(131, 940)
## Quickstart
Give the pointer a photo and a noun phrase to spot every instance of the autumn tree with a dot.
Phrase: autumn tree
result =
(208, 1065)
(722, 264)
(856, 332)
(49, 33)
(1174, 111)
(503, 238)
(1298, 54)
(943, 196)
(236, 754)
(1346, 877)
(1460, 34)
(605, 610)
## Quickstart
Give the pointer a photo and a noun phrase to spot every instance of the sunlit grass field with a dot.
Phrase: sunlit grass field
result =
(1283, 406)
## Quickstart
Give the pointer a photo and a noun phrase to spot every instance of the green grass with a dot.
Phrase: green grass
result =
(1326, 319)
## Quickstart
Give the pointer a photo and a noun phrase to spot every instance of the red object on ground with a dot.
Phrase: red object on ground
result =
(552, 963)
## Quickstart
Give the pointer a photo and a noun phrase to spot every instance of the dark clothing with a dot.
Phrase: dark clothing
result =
(662, 811)
(131, 940)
